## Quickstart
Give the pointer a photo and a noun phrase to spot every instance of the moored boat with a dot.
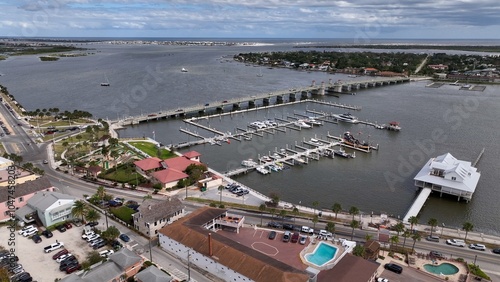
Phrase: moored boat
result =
(300, 123)
(262, 170)
(393, 125)
(347, 117)
(340, 152)
(248, 163)
(350, 140)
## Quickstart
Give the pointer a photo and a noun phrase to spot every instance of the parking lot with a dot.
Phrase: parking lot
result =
(39, 264)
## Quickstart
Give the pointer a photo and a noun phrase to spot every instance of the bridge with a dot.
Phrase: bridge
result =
(283, 96)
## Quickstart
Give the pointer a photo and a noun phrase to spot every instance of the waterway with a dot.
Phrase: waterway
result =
(145, 79)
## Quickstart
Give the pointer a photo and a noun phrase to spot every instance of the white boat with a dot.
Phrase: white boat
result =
(262, 170)
(266, 159)
(248, 163)
(347, 117)
(106, 81)
(300, 123)
(258, 125)
(184, 70)
(315, 142)
(393, 126)
(313, 121)
(270, 122)
(260, 73)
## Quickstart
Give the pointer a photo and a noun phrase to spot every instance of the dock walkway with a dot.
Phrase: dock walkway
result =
(417, 204)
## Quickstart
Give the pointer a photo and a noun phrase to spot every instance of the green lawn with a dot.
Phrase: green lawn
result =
(124, 213)
(122, 175)
(151, 150)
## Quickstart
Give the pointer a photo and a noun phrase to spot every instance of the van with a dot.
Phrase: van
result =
(325, 233)
(305, 229)
(393, 267)
(286, 236)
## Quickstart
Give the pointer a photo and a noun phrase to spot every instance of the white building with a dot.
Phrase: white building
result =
(50, 207)
(445, 174)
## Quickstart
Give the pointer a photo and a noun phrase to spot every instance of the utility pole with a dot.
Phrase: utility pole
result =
(189, 267)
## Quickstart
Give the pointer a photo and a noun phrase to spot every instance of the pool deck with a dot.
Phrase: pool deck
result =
(312, 246)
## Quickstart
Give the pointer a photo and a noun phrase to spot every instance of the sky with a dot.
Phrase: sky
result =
(359, 19)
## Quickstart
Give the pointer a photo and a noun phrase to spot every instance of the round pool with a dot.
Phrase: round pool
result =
(442, 269)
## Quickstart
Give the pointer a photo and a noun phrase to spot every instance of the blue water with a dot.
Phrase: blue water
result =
(444, 268)
(322, 254)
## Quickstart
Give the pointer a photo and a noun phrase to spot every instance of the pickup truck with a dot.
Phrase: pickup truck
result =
(456, 242)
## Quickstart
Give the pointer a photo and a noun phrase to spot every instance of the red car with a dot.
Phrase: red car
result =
(68, 225)
(60, 253)
(73, 268)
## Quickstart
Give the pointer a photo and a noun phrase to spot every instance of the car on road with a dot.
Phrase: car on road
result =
(47, 233)
(53, 247)
(59, 254)
(45, 162)
(124, 238)
(432, 238)
(272, 235)
(394, 267)
(436, 254)
(496, 251)
(36, 238)
(480, 247)
(456, 242)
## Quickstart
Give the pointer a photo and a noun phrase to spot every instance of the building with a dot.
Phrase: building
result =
(49, 207)
(152, 216)
(22, 193)
(8, 168)
(372, 249)
(445, 174)
(438, 67)
(152, 274)
(195, 236)
(123, 263)
(350, 268)
(167, 172)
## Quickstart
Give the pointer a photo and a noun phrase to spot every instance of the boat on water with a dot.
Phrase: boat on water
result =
(393, 126)
(315, 142)
(300, 123)
(106, 81)
(350, 140)
(266, 159)
(347, 117)
(249, 163)
(260, 73)
(341, 153)
(262, 170)
(184, 70)
(258, 125)
(313, 121)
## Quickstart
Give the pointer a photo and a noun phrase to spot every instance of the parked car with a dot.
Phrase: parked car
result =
(480, 247)
(436, 254)
(67, 225)
(295, 237)
(272, 235)
(95, 242)
(61, 228)
(394, 267)
(30, 232)
(36, 238)
(286, 236)
(496, 251)
(273, 224)
(53, 247)
(99, 245)
(303, 240)
(456, 242)
(106, 253)
(92, 223)
(116, 245)
(67, 263)
(60, 253)
(26, 229)
(325, 233)
(77, 222)
(63, 257)
(47, 233)
(432, 238)
(380, 279)
(93, 237)
(73, 267)
(124, 238)
(288, 226)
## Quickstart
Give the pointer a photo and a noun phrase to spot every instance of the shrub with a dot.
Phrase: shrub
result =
(221, 206)
(213, 205)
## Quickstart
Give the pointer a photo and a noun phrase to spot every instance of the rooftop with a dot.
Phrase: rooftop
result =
(349, 268)
(26, 188)
(152, 211)
(148, 163)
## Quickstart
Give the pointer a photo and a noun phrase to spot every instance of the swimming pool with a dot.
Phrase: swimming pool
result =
(323, 253)
(444, 269)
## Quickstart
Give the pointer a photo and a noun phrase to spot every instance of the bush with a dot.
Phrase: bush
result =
(459, 260)
(221, 206)
(213, 205)
(381, 257)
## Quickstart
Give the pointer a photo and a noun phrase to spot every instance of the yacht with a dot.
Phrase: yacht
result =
(270, 122)
(258, 125)
(347, 117)
(315, 142)
(262, 170)
(184, 70)
(312, 121)
(248, 163)
(300, 123)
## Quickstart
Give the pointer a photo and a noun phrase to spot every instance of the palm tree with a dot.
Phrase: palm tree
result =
(399, 227)
(406, 234)
(359, 250)
(433, 223)
(330, 227)
(413, 220)
(262, 208)
(79, 209)
(336, 208)
(394, 240)
(315, 220)
(416, 237)
(101, 192)
(92, 215)
(354, 211)
(221, 188)
(295, 212)
(354, 224)
(467, 226)
(315, 205)
(147, 197)
(111, 233)
(283, 215)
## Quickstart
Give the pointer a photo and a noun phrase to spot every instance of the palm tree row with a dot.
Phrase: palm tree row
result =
(81, 209)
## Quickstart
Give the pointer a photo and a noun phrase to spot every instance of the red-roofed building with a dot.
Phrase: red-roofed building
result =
(193, 155)
(370, 71)
(148, 165)
(179, 163)
(168, 177)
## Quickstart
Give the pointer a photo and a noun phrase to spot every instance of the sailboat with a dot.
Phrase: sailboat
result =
(260, 73)
(106, 83)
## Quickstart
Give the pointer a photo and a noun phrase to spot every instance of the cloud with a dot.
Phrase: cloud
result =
(249, 18)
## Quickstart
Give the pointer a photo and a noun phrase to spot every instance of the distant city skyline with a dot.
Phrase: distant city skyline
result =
(361, 20)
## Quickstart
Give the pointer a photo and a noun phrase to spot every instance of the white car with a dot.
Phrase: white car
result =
(380, 279)
(53, 247)
(93, 237)
(30, 232)
(27, 229)
(480, 247)
(87, 235)
(63, 257)
(456, 242)
(106, 253)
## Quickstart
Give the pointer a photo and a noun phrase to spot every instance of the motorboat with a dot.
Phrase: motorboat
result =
(350, 140)
(347, 117)
(248, 163)
(184, 70)
(315, 142)
(393, 126)
(313, 121)
(258, 125)
(262, 170)
(266, 159)
(340, 152)
(300, 123)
